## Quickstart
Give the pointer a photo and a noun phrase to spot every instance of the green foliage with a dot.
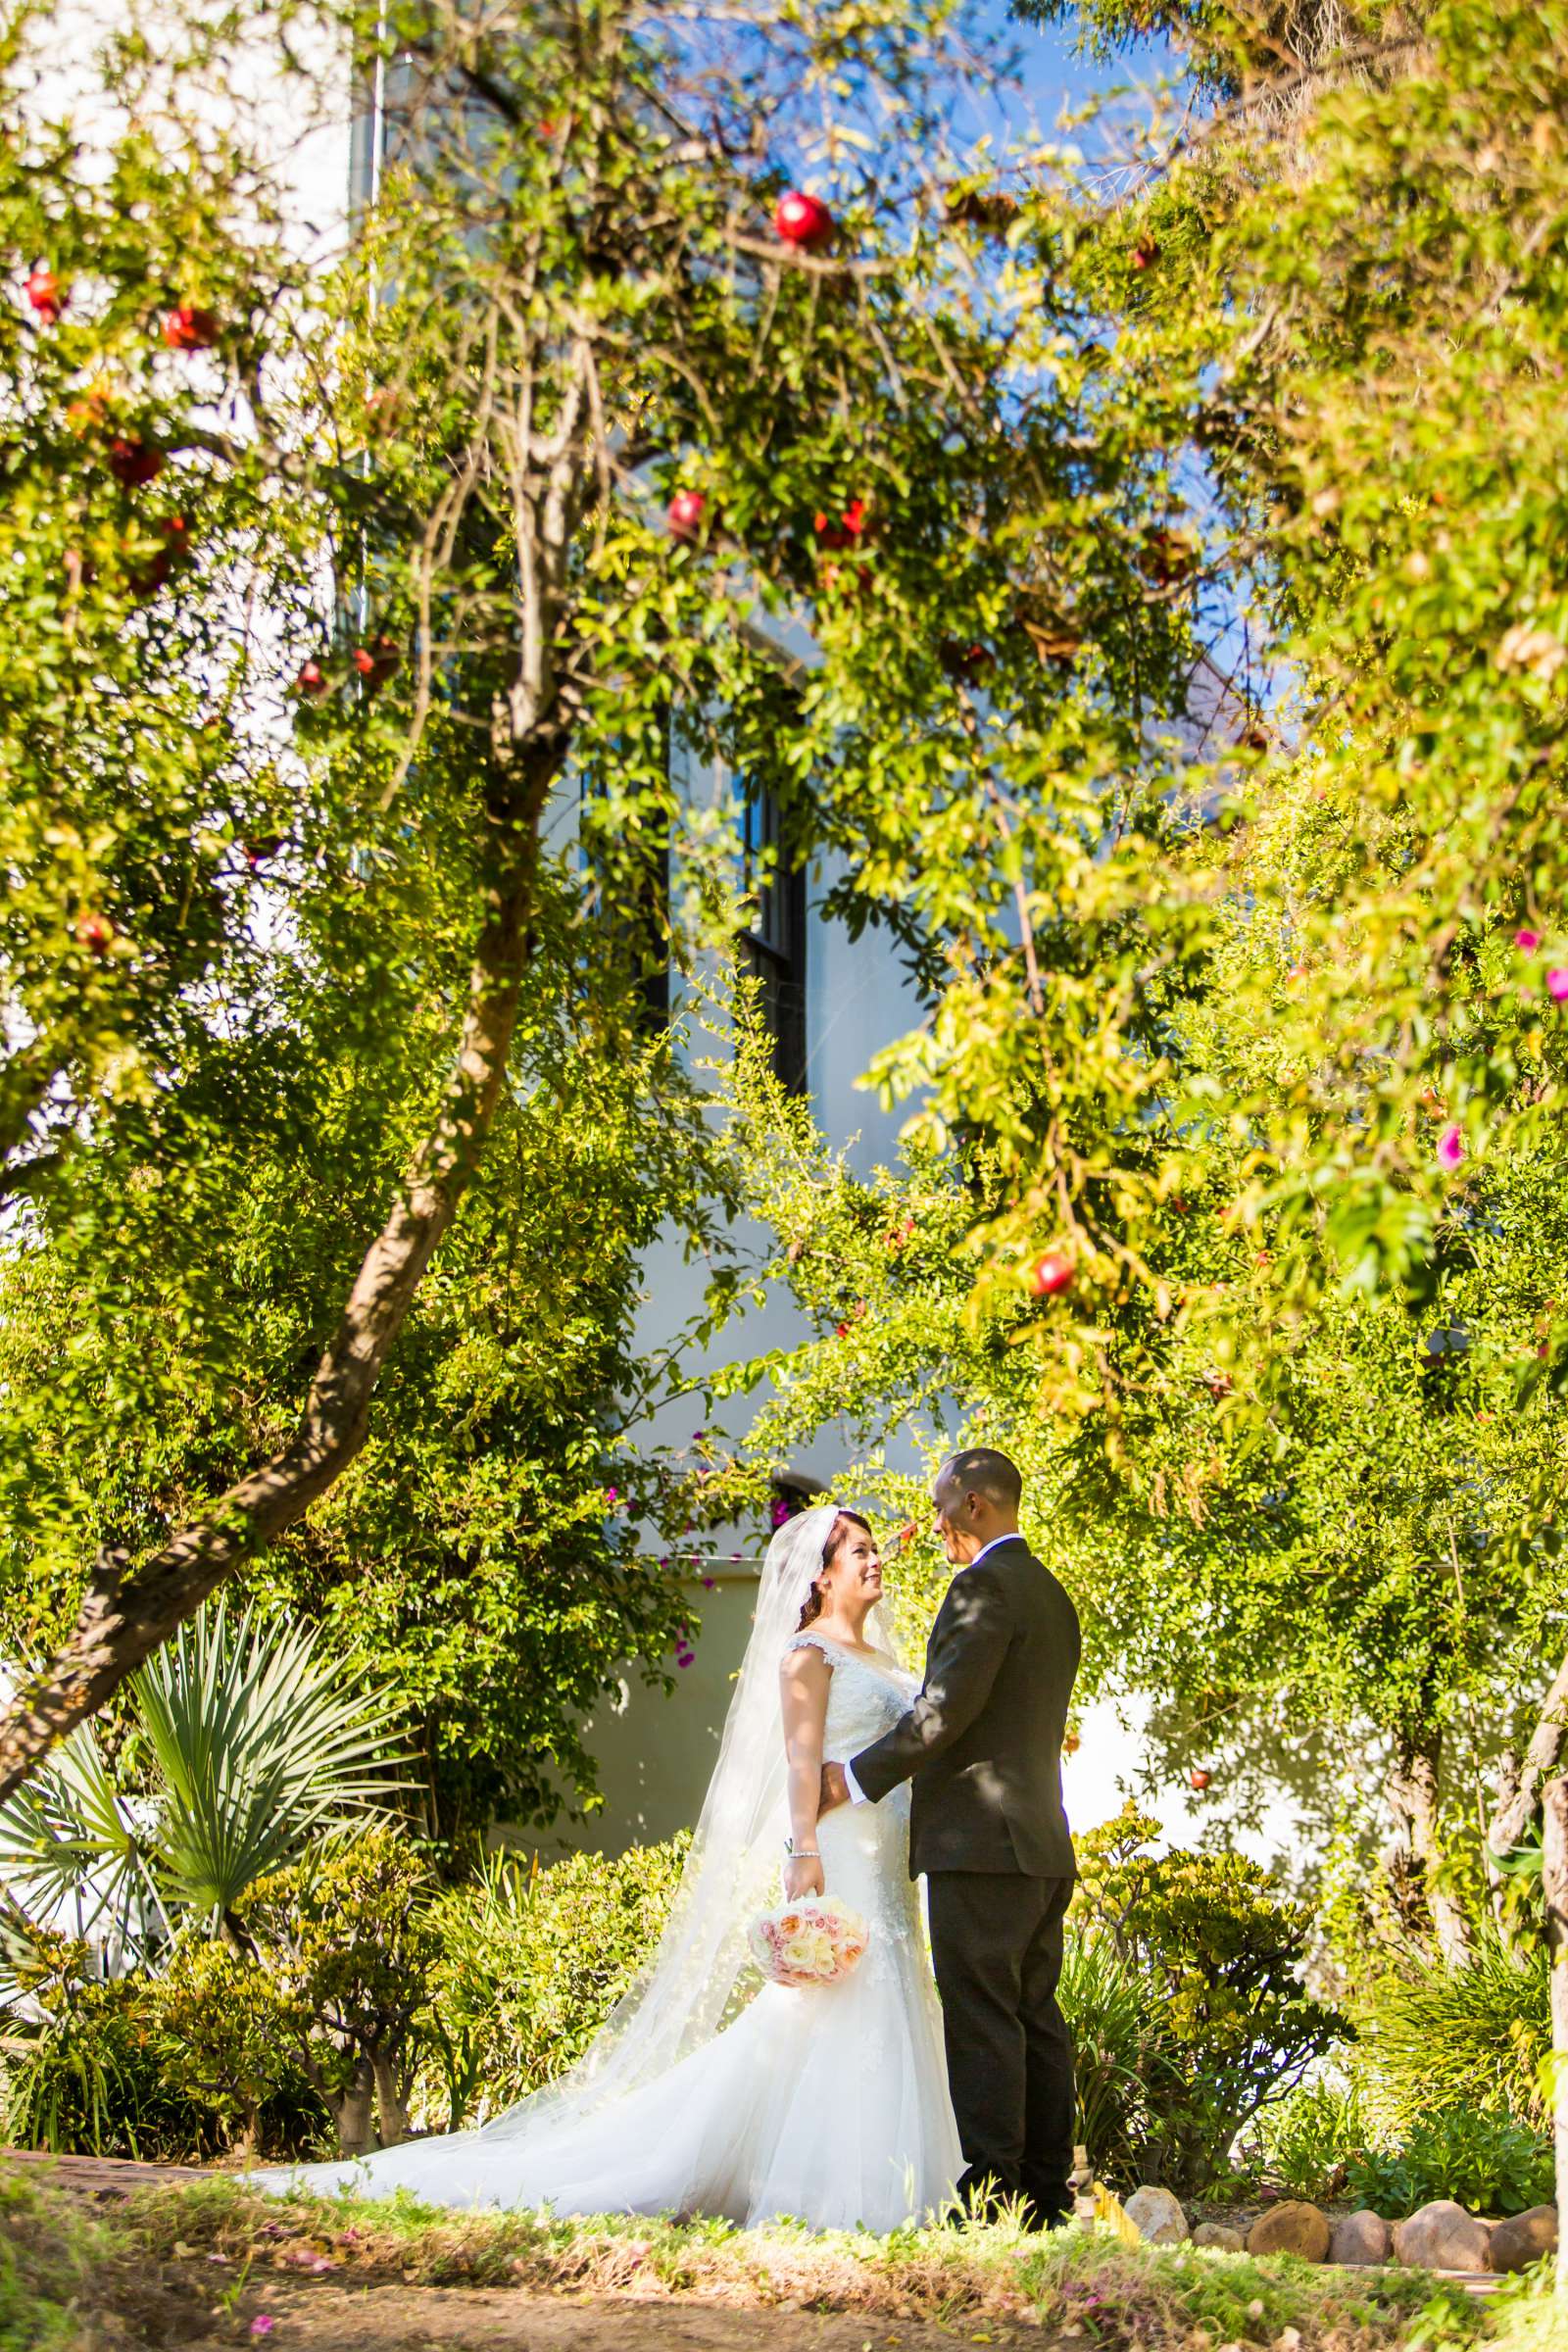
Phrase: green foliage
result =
(1219, 1955)
(1481, 2157)
(1288, 1561)
(347, 1937)
(261, 1746)
(225, 2035)
(265, 956)
(532, 1961)
(256, 1743)
(1304, 2140)
(1114, 2038)
(82, 2071)
(1466, 2038)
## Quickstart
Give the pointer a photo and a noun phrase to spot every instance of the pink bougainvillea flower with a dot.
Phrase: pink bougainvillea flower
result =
(1558, 983)
(611, 1495)
(263, 2323)
(1527, 942)
(1451, 1147)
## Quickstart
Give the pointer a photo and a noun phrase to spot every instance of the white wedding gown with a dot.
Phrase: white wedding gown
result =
(829, 2105)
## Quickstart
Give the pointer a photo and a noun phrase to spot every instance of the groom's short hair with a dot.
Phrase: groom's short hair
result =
(981, 1470)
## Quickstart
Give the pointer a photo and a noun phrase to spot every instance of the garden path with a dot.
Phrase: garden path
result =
(320, 2317)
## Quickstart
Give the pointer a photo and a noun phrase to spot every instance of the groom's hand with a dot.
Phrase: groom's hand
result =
(835, 1789)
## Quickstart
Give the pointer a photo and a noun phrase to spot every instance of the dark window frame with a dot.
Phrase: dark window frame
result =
(773, 946)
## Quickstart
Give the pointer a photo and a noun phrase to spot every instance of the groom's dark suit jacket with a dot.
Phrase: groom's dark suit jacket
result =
(983, 1741)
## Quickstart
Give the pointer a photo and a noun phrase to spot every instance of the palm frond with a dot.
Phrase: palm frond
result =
(72, 1848)
(260, 1745)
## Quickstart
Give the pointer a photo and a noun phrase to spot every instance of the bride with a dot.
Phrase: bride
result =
(702, 2093)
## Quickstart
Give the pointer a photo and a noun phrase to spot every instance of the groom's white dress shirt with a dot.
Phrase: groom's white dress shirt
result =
(858, 1795)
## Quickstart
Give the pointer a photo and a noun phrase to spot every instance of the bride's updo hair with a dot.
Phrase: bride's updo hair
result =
(830, 1549)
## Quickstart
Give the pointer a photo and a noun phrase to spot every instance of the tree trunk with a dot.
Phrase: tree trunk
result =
(1554, 1873)
(1415, 1864)
(391, 2106)
(352, 2112)
(124, 1616)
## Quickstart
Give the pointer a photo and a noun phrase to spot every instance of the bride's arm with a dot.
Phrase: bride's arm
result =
(805, 1677)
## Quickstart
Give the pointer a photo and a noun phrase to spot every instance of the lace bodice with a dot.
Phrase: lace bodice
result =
(866, 1848)
(864, 1700)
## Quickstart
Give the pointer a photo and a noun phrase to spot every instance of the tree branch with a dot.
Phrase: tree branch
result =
(1522, 1786)
(124, 1616)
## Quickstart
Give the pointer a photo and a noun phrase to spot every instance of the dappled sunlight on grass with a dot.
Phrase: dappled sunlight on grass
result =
(1089, 2288)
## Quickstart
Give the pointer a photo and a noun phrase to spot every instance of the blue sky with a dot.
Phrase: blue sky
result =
(1052, 75)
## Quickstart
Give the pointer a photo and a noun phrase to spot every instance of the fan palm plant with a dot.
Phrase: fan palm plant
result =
(257, 1745)
(75, 1851)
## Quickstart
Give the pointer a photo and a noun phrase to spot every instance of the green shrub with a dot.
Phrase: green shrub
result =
(83, 2072)
(1304, 2141)
(1114, 2035)
(1220, 1953)
(1472, 2037)
(1483, 2158)
(227, 2042)
(532, 1961)
(347, 1938)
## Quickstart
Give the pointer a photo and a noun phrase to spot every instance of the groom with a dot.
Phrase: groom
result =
(983, 1745)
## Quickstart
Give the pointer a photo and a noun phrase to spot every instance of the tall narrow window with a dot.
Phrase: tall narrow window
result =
(774, 942)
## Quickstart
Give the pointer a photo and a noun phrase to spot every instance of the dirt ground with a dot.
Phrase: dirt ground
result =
(327, 2317)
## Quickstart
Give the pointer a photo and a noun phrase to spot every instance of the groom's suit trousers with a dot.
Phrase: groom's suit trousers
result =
(996, 1940)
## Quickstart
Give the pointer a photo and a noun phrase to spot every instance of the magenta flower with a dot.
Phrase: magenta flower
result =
(611, 1495)
(1527, 942)
(1558, 983)
(1451, 1147)
(263, 2323)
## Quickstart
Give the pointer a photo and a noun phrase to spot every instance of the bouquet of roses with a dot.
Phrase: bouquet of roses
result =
(815, 1941)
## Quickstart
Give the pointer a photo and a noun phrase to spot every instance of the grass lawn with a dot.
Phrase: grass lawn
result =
(205, 2263)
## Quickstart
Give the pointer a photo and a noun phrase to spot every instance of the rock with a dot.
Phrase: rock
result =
(1218, 2238)
(1441, 2237)
(1363, 2236)
(1158, 2217)
(1523, 2238)
(1293, 2227)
